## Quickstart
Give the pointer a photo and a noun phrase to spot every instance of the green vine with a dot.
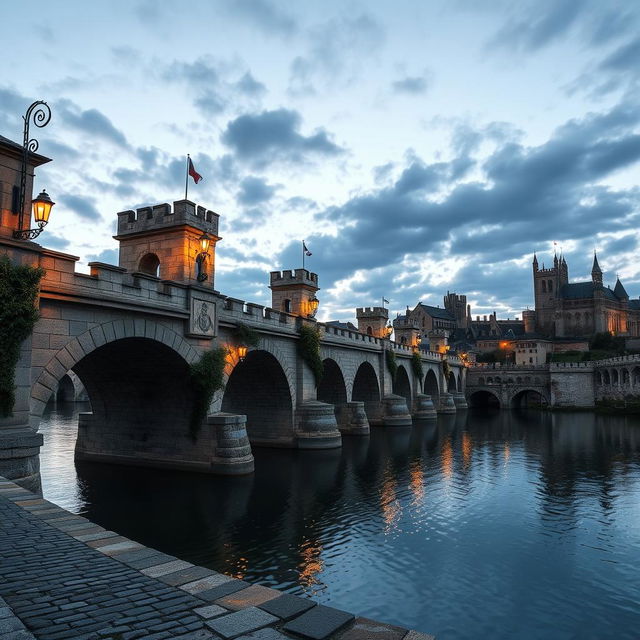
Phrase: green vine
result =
(416, 365)
(246, 335)
(446, 369)
(392, 365)
(309, 350)
(207, 377)
(18, 314)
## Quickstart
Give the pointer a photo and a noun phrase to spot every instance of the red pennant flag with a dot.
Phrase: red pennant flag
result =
(193, 173)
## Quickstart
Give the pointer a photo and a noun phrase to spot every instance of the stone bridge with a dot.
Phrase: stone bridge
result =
(131, 334)
(556, 385)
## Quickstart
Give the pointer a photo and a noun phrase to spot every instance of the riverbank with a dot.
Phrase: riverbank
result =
(62, 576)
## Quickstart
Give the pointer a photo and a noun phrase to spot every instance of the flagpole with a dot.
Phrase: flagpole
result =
(303, 254)
(186, 180)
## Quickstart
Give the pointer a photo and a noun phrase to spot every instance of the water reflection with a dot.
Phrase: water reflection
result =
(504, 524)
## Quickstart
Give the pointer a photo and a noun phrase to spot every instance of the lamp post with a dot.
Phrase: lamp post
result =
(40, 113)
(205, 242)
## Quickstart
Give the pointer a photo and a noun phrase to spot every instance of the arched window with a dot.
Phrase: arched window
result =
(403, 340)
(286, 305)
(369, 331)
(544, 287)
(550, 286)
(150, 264)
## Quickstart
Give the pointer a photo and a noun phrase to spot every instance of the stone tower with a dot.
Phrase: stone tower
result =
(373, 321)
(406, 329)
(596, 272)
(457, 306)
(294, 291)
(529, 319)
(546, 286)
(165, 243)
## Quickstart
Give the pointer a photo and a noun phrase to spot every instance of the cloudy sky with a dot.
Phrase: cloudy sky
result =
(417, 146)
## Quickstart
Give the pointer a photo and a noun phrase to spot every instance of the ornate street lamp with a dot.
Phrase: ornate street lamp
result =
(242, 352)
(313, 307)
(40, 113)
(205, 243)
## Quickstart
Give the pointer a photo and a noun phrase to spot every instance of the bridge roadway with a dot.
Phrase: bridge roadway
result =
(61, 576)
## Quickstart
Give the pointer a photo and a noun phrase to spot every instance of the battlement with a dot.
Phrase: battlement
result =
(405, 322)
(162, 217)
(293, 277)
(372, 312)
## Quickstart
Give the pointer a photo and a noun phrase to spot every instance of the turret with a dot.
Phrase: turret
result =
(373, 321)
(406, 329)
(295, 292)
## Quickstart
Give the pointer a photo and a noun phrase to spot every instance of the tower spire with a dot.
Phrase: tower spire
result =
(596, 271)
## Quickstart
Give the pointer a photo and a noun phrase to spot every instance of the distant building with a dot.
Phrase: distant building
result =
(574, 309)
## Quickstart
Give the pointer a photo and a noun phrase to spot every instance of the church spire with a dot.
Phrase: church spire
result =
(596, 271)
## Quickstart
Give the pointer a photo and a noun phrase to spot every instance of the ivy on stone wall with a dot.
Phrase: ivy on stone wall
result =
(392, 365)
(18, 313)
(309, 350)
(207, 377)
(416, 365)
(246, 335)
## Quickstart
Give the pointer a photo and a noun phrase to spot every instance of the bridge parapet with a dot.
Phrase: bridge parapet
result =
(618, 360)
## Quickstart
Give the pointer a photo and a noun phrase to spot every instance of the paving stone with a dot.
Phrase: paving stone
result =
(235, 624)
(165, 568)
(22, 634)
(90, 537)
(203, 584)
(250, 597)
(287, 606)
(265, 634)
(148, 561)
(98, 542)
(416, 635)
(210, 611)
(178, 578)
(211, 595)
(119, 547)
(365, 629)
(200, 634)
(10, 624)
(319, 622)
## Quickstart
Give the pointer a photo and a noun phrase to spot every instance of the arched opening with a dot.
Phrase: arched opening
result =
(484, 399)
(598, 377)
(402, 386)
(258, 388)
(332, 388)
(635, 376)
(150, 264)
(141, 400)
(366, 389)
(625, 376)
(614, 376)
(459, 383)
(369, 331)
(605, 377)
(65, 392)
(451, 382)
(528, 399)
(431, 385)
(286, 305)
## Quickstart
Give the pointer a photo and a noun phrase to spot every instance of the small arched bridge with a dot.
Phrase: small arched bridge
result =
(131, 338)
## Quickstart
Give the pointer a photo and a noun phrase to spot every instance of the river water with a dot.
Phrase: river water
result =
(482, 525)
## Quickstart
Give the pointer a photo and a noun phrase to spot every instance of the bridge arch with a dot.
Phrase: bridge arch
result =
(401, 385)
(332, 387)
(523, 398)
(431, 385)
(259, 389)
(367, 390)
(451, 382)
(484, 398)
(78, 349)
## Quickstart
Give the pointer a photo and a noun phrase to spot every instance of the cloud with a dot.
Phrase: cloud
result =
(91, 121)
(412, 85)
(274, 135)
(250, 86)
(81, 206)
(335, 48)
(263, 15)
(254, 190)
(521, 198)
(56, 242)
(108, 256)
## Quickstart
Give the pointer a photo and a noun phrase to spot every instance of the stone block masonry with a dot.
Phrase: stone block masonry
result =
(62, 576)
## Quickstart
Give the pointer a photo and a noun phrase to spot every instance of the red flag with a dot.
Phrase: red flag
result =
(193, 173)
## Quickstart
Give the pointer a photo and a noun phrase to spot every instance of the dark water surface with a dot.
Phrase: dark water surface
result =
(491, 525)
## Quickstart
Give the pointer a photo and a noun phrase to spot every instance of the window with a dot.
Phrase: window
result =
(149, 264)
(286, 305)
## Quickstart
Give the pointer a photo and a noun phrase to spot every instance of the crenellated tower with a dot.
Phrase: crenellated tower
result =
(294, 292)
(373, 321)
(457, 306)
(547, 284)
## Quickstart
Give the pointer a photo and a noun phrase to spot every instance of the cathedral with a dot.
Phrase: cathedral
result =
(575, 309)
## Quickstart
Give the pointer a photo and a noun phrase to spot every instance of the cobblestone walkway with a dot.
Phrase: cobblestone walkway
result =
(62, 576)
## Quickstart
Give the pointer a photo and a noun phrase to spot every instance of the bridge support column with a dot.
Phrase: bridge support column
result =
(446, 404)
(233, 455)
(352, 419)
(19, 457)
(460, 401)
(316, 426)
(395, 412)
(423, 408)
